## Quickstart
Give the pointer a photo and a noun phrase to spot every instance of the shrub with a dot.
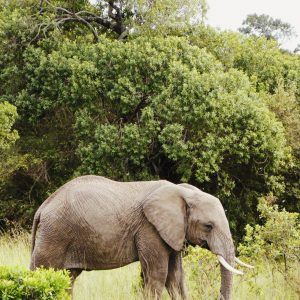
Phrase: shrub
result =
(277, 240)
(21, 284)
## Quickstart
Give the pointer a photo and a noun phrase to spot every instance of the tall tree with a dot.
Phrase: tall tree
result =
(264, 25)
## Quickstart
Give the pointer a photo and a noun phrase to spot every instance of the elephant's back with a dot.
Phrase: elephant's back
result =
(103, 187)
(96, 202)
(107, 193)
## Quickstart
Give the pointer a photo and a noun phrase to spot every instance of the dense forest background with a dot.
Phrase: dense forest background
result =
(141, 90)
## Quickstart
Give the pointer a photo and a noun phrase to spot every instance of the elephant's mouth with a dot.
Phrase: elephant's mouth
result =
(204, 245)
(201, 243)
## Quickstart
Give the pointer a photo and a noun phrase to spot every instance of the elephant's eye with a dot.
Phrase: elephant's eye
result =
(209, 227)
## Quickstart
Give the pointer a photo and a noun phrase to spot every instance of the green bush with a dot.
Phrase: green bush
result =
(151, 108)
(19, 283)
(276, 241)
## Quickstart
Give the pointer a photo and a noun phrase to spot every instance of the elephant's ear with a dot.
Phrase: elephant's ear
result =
(189, 186)
(166, 210)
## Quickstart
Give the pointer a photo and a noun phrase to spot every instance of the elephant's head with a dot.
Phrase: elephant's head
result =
(183, 212)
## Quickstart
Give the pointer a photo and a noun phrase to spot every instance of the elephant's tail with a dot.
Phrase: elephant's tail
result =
(35, 224)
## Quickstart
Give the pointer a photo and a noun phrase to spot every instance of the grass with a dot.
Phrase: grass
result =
(113, 284)
(262, 283)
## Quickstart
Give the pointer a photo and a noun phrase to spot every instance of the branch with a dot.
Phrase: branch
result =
(41, 7)
(96, 19)
(119, 15)
(44, 27)
(85, 17)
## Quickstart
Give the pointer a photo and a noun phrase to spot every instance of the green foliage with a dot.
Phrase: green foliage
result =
(118, 19)
(261, 59)
(151, 107)
(286, 107)
(274, 74)
(10, 159)
(19, 283)
(8, 137)
(276, 240)
(265, 64)
(202, 272)
(126, 146)
(16, 31)
(224, 45)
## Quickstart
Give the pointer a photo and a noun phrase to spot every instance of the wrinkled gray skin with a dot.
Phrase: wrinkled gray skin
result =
(93, 223)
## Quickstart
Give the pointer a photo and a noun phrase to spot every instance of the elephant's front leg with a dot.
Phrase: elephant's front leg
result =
(154, 257)
(175, 282)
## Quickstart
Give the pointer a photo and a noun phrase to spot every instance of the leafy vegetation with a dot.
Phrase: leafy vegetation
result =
(8, 137)
(19, 283)
(277, 240)
(263, 282)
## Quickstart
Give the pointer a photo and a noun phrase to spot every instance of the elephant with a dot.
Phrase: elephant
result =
(94, 223)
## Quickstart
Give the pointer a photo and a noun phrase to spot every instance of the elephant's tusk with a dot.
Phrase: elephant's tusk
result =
(242, 263)
(227, 266)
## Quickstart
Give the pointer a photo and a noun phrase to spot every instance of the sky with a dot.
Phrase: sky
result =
(230, 14)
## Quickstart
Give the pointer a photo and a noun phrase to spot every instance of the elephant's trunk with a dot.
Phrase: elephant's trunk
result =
(226, 281)
(226, 256)
(227, 274)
